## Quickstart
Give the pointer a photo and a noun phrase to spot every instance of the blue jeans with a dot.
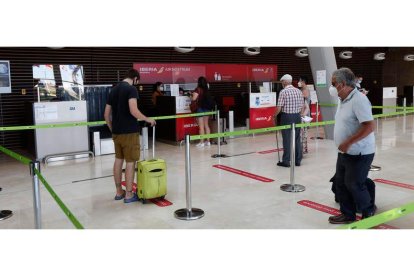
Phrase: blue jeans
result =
(350, 179)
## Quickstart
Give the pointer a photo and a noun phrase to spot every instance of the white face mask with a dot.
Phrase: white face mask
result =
(161, 88)
(208, 85)
(333, 91)
(299, 84)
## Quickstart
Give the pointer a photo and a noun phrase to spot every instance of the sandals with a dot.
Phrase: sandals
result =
(119, 197)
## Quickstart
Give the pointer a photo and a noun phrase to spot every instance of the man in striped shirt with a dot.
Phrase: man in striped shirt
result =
(290, 104)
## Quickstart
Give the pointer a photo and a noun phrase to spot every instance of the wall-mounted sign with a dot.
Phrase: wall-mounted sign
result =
(5, 81)
(321, 78)
(72, 79)
(190, 72)
(46, 80)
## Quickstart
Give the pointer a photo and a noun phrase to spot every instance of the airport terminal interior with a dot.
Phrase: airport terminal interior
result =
(44, 87)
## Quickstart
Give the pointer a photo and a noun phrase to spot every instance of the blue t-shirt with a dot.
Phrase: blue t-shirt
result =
(351, 112)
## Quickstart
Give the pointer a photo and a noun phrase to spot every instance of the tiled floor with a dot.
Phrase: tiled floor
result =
(229, 200)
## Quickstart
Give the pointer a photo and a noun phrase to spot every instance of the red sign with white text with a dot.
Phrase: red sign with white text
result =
(314, 112)
(170, 72)
(215, 72)
(262, 117)
(186, 126)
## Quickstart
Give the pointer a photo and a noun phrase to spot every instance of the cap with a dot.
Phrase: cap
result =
(286, 77)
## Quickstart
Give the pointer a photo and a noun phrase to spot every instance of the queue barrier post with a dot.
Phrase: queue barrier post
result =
(292, 187)
(36, 194)
(188, 213)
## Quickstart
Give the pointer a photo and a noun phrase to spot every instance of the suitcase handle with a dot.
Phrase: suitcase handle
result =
(155, 170)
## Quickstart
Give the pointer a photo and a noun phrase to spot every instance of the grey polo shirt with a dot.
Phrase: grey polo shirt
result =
(351, 112)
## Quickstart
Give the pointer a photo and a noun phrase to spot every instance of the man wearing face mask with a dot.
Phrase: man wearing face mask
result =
(121, 114)
(290, 104)
(354, 137)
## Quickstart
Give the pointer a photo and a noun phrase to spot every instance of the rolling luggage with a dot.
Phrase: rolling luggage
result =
(151, 176)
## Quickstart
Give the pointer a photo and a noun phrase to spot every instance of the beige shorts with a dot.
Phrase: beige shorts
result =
(127, 146)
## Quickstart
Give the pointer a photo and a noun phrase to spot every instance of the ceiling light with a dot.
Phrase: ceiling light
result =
(379, 56)
(184, 49)
(345, 54)
(252, 51)
(303, 52)
(409, 57)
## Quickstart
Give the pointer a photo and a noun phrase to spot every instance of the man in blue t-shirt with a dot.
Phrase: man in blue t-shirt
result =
(121, 114)
(354, 137)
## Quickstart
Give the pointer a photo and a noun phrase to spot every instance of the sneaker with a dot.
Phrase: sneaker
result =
(340, 219)
(132, 199)
(207, 144)
(200, 145)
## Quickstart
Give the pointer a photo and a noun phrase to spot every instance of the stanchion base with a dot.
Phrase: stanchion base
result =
(374, 168)
(5, 214)
(218, 155)
(295, 188)
(185, 214)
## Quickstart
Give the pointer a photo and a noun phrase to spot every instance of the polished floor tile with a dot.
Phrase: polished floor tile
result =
(230, 201)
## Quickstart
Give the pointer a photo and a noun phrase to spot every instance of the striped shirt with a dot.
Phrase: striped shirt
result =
(290, 100)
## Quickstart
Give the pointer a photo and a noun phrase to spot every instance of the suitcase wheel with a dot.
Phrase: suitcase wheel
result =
(144, 201)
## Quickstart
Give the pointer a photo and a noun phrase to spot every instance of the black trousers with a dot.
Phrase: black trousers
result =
(288, 119)
(350, 180)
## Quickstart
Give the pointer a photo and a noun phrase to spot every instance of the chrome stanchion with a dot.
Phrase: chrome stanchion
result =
(292, 187)
(153, 142)
(188, 213)
(36, 194)
(218, 155)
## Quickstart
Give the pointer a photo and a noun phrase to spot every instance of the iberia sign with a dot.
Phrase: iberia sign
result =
(215, 72)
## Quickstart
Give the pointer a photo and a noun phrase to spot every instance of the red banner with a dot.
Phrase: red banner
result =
(215, 72)
(262, 117)
(313, 113)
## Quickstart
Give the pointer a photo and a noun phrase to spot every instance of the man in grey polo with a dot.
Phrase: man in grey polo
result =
(354, 137)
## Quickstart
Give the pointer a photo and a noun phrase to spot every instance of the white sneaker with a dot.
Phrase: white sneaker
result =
(200, 145)
(207, 144)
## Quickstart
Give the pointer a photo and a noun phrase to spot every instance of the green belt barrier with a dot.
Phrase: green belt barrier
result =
(374, 107)
(238, 133)
(16, 156)
(392, 114)
(381, 218)
(184, 115)
(27, 161)
(99, 122)
(62, 205)
(327, 105)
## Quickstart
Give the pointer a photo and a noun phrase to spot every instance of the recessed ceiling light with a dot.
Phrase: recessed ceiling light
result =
(251, 51)
(184, 49)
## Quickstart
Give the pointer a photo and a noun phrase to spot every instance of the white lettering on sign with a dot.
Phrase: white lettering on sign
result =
(268, 118)
(190, 125)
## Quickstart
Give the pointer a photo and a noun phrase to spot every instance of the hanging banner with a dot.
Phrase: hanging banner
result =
(5, 80)
(216, 72)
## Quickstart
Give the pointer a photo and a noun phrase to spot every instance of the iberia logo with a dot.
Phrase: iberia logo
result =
(267, 118)
(161, 70)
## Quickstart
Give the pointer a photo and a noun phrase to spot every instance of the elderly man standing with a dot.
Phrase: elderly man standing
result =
(290, 104)
(354, 137)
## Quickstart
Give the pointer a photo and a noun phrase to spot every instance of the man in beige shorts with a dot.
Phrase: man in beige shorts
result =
(121, 114)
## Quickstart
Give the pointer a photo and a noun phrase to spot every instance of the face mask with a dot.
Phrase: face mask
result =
(208, 85)
(161, 88)
(299, 84)
(333, 91)
(359, 81)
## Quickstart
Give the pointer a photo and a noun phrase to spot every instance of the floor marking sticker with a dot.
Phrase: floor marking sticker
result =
(270, 151)
(243, 173)
(393, 183)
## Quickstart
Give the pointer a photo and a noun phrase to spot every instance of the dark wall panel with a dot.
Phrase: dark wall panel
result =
(106, 65)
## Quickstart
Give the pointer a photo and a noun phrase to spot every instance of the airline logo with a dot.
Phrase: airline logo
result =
(264, 70)
(267, 118)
